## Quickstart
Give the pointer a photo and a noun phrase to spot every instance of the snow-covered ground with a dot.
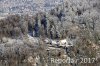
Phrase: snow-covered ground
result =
(61, 43)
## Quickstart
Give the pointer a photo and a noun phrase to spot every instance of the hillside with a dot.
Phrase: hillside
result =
(27, 6)
(70, 30)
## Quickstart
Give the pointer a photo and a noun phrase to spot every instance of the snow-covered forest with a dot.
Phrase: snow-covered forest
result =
(71, 29)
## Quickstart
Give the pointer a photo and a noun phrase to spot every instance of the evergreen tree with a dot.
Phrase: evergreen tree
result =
(30, 29)
(36, 28)
(44, 22)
